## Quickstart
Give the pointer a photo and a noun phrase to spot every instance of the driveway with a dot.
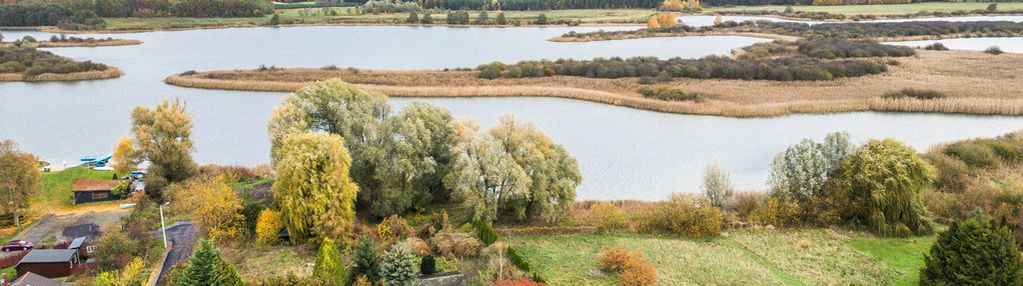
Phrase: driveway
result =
(183, 235)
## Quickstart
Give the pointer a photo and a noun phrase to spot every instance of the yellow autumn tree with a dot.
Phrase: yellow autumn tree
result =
(718, 20)
(213, 205)
(672, 5)
(124, 157)
(652, 23)
(667, 20)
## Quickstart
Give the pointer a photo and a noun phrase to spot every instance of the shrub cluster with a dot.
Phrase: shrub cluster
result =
(936, 47)
(670, 94)
(31, 62)
(391, 6)
(711, 67)
(914, 94)
(632, 267)
(685, 215)
(886, 29)
(830, 48)
(86, 14)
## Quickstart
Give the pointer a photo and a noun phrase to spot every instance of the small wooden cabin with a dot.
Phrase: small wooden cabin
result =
(87, 191)
(49, 263)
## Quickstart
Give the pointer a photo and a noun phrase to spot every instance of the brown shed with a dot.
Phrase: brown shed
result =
(49, 263)
(87, 191)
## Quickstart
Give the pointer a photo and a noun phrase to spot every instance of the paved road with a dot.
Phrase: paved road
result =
(183, 235)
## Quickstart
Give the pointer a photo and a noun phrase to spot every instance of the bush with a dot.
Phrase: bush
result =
(456, 245)
(642, 274)
(994, 50)
(830, 48)
(670, 94)
(616, 260)
(685, 215)
(952, 176)
(517, 259)
(914, 94)
(458, 17)
(936, 47)
(393, 229)
(608, 217)
(973, 154)
(775, 212)
(268, 227)
(485, 232)
(975, 252)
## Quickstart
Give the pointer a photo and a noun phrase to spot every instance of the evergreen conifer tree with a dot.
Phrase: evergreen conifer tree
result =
(207, 267)
(973, 252)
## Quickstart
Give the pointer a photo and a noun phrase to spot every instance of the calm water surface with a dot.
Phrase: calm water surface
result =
(623, 153)
(707, 20)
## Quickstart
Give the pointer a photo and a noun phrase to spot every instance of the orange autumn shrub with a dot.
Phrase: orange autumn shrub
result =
(616, 259)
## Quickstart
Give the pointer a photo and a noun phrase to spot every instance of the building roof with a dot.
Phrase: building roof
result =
(77, 243)
(48, 256)
(32, 279)
(94, 185)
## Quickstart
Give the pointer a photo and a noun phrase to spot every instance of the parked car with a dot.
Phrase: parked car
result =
(15, 245)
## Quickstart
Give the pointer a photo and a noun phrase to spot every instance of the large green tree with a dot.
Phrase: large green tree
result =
(484, 176)
(337, 107)
(973, 252)
(19, 179)
(313, 189)
(207, 267)
(553, 173)
(882, 181)
(163, 137)
(801, 171)
(418, 155)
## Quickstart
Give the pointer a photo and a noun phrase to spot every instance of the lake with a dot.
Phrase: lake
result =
(623, 153)
(707, 20)
(1009, 45)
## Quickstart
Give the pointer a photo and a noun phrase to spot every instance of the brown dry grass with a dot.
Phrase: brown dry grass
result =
(974, 82)
(111, 72)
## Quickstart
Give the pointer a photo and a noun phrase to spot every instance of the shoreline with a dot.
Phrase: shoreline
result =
(55, 30)
(69, 44)
(969, 92)
(109, 73)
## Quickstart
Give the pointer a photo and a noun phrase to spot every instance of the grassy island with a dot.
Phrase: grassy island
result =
(29, 64)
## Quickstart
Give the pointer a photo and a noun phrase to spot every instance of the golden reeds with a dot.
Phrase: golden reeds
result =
(100, 43)
(110, 72)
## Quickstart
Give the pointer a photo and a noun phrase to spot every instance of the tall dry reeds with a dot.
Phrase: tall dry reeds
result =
(110, 72)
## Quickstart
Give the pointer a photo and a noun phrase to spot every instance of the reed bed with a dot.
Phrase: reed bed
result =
(974, 82)
(627, 36)
(110, 72)
(104, 43)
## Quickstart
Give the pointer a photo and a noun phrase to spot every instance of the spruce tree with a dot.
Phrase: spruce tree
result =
(367, 261)
(207, 267)
(973, 252)
(330, 264)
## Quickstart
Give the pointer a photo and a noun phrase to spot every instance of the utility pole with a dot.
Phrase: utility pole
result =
(163, 227)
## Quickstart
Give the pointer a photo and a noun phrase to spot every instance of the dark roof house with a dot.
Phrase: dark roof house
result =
(87, 191)
(49, 263)
(32, 279)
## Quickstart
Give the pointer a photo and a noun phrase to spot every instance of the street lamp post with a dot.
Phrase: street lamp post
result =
(163, 227)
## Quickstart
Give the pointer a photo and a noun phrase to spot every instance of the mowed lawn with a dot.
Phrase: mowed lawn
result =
(789, 257)
(894, 9)
(56, 186)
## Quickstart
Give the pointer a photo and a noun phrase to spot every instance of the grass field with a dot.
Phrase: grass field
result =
(255, 263)
(56, 187)
(878, 9)
(797, 257)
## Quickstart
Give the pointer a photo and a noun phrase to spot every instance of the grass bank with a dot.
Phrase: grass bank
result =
(879, 10)
(972, 82)
(787, 257)
(101, 43)
(56, 186)
(110, 72)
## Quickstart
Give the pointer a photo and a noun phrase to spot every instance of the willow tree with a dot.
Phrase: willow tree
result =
(337, 107)
(418, 155)
(883, 180)
(313, 190)
(553, 173)
(19, 179)
(163, 137)
(484, 176)
(801, 171)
